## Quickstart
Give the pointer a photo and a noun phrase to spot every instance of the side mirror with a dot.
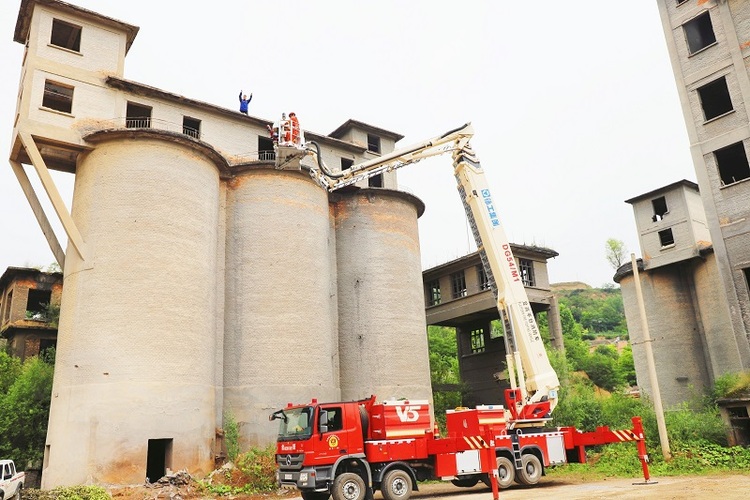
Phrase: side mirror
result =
(323, 423)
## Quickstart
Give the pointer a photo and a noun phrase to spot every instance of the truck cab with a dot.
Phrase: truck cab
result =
(313, 440)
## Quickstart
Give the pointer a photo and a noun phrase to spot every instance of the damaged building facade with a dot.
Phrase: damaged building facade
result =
(194, 268)
(695, 238)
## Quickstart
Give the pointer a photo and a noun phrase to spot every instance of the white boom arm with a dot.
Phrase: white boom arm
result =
(540, 384)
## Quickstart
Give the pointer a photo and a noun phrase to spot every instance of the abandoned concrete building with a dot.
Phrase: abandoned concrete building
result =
(194, 267)
(25, 320)
(457, 294)
(695, 239)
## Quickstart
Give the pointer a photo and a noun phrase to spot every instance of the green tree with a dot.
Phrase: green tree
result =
(24, 411)
(10, 369)
(615, 252)
(444, 369)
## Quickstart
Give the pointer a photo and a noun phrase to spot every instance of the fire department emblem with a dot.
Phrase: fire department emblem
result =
(333, 441)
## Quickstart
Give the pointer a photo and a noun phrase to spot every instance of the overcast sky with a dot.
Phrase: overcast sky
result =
(574, 104)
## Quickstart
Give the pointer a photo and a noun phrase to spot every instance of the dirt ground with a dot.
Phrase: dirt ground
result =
(723, 486)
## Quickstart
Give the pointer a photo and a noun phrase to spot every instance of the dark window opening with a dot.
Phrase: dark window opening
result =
(747, 278)
(138, 116)
(527, 272)
(36, 305)
(8, 302)
(666, 238)
(159, 459)
(679, 2)
(191, 127)
(265, 149)
(699, 33)
(66, 35)
(715, 98)
(458, 285)
(477, 340)
(660, 208)
(45, 346)
(346, 163)
(732, 163)
(433, 292)
(58, 97)
(373, 143)
(376, 181)
(739, 421)
(484, 281)
(335, 419)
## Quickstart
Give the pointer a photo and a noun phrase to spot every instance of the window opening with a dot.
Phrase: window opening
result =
(373, 143)
(699, 33)
(433, 292)
(8, 301)
(679, 2)
(376, 181)
(66, 35)
(58, 97)
(484, 281)
(660, 208)
(747, 278)
(138, 116)
(666, 238)
(458, 285)
(265, 149)
(45, 345)
(715, 98)
(36, 305)
(732, 163)
(191, 127)
(159, 459)
(335, 419)
(496, 329)
(527, 272)
(346, 163)
(477, 340)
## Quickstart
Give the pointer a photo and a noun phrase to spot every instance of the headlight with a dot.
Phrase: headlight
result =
(303, 477)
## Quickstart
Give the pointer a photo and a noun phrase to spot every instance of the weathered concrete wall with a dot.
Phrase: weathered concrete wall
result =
(382, 329)
(280, 342)
(674, 330)
(135, 357)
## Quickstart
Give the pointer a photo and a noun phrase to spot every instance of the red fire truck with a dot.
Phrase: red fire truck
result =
(350, 449)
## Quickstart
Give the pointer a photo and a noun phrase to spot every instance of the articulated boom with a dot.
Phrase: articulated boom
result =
(534, 384)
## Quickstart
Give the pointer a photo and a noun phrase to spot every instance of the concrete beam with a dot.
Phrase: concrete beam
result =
(74, 236)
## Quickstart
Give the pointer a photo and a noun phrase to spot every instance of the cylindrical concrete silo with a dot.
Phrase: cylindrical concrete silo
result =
(382, 327)
(134, 380)
(280, 341)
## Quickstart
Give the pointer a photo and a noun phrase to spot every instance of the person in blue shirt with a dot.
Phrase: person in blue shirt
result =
(244, 101)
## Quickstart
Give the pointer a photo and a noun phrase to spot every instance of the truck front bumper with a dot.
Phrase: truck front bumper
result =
(306, 479)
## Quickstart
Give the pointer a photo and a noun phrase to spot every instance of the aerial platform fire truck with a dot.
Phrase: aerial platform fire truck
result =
(350, 449)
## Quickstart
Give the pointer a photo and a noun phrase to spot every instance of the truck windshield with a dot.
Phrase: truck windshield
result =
(297, 424)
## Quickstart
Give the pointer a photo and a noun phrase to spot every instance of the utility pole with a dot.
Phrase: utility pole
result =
(656, 394)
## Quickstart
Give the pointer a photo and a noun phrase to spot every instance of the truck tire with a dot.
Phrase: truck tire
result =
(18, 493)
(396, 485)
(315, 495)
(348, 486)
(530, 471)
(506, 473)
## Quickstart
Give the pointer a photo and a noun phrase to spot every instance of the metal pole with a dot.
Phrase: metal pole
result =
(651, 365)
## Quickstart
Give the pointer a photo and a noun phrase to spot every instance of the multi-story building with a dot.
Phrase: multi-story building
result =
(29, 299)
(695, 238)
(201, 280)
(458, 295)
(708, 43)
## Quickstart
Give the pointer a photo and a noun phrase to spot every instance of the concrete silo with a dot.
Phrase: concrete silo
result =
(382, 329)
(134, 376)
(280, 341)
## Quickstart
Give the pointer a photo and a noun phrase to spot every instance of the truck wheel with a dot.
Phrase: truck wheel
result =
(348, 486)
(315, 495)
(506, 473)
(18, 493)
(396, 485)
(530, 471)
